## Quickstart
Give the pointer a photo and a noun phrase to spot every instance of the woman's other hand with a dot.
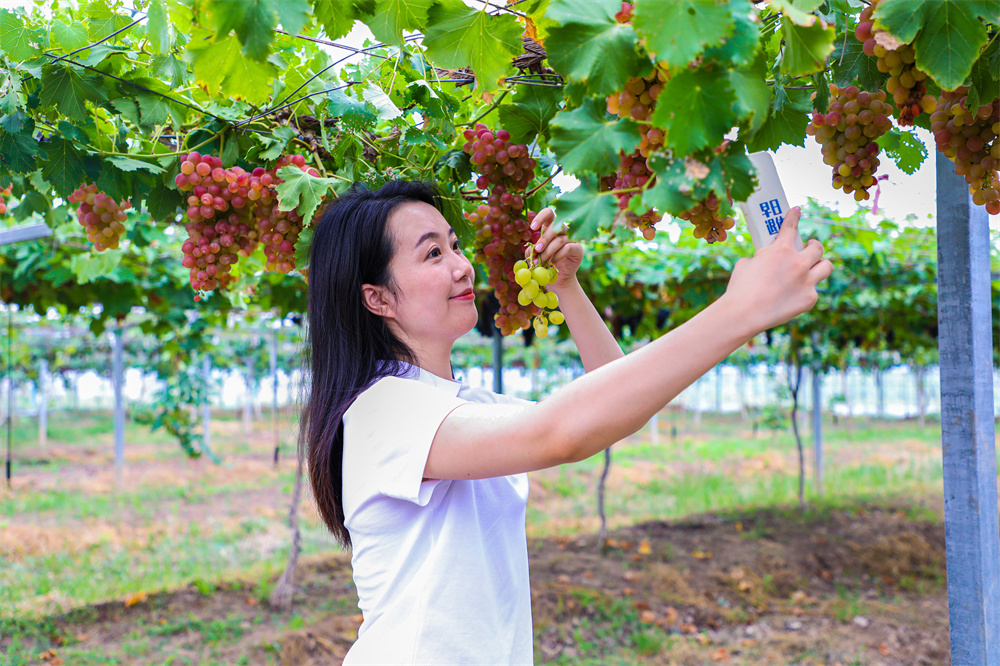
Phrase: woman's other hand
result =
(556, 247)
(779, 282)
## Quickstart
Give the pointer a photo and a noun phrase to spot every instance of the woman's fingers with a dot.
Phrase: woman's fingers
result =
(543, 219)
(556, 243)
(814, 251)
(821, 271)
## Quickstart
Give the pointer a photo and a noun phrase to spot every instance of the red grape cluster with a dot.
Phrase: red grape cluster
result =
(100, 216)
(906, 81)
(624, 15)
(4, 193)
(710, 220)
(232, 211)
(503, 226)
(970, 140)
(847, 133)
(633, 172)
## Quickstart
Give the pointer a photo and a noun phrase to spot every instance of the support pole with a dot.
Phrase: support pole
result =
(274, 393)
(817, 414)
(10, 391)
(497, 360)
(968, 430)
(206, 404)
(118, 380)
(247, 402)
(718, 388)
(43, 403)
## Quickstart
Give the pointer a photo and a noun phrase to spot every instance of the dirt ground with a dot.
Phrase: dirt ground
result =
(853, 587)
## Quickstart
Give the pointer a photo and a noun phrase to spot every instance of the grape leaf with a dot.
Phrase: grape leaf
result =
(586, 210)
(905, 148)
(946, 34)
(16, 40)
(253, 20)
(696, 109)
(673, 192)
(850, 65)
(66, 90)
(337, 18)
(158, 27)
(69, 36)
(221, 67)
(65, 167)
(353, 113)
(677, 31)
(588, 46)
(537, 24)
(92, 266)
(18, 150)
(128, 109)
(303, 247)
(798, 11)
(985, 77)
(742, 46)
(737, 172)
(753, 96)
(163, 202)
(272, 147)
(384, 107)
(806, 48)
(785, 125)
(292, 14)
(585, 142)
(168, 68)
(154, 108)
(102, 20)
(129, 164)
(392, 17)
(459, 36)
(303, 192)
(530, 112)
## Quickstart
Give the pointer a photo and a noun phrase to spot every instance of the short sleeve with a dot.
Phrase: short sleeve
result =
(389, 430)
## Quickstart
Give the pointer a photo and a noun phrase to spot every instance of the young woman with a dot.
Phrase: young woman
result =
(424, 477)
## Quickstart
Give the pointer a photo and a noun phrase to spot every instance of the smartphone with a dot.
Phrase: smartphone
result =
(766, 208)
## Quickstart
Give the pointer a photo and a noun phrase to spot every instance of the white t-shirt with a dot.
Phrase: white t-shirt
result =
(441, 566)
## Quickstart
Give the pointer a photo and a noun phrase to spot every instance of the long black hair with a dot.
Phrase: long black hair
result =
(349, 346)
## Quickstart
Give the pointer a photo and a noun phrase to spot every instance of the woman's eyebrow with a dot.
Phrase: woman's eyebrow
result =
(433, 235)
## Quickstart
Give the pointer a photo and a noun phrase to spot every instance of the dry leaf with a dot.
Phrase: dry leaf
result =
(884, 649)
(720, 655)
(670, 615)
(631, 576)
(135, 598)
(645, 548)
(628, 591)
(700, 554)
(647, 617)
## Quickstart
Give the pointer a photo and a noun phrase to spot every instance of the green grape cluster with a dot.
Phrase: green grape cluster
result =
(532, 280)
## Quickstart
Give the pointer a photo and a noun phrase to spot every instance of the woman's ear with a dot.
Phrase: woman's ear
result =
(376, 299)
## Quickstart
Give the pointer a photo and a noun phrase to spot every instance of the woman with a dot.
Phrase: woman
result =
(424, 477)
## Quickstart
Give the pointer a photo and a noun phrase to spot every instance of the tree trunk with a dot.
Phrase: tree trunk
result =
(603, 533)
(744, 410)
(697, 402)
(794, 382)
(284, 590)
(880, 392)
(847, 393)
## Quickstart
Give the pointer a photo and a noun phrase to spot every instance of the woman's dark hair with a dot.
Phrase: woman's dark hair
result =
(349, 346)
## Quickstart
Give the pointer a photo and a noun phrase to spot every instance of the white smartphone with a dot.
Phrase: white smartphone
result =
(766, 208)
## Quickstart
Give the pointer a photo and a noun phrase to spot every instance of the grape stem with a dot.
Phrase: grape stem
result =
(542, 184)
(482, 115)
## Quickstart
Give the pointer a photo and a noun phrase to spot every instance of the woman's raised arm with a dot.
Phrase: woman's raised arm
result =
(602, 407)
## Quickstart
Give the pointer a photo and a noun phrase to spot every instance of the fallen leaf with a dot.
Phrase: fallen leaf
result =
(631, 576)
(645, 548)
(626, 545)
(688, 629)
(884, 649)
(739, 526)
(250, 601)
(610, 543)
(588, 574)
(700, 554)
(135, 598)
(670, 615)
(720, 655)
(81, 637)
(641, 605)
(748, 642)
(647, 617)
(628, 591)
(562, 578)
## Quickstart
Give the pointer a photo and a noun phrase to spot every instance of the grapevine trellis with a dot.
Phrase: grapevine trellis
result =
(652, 106)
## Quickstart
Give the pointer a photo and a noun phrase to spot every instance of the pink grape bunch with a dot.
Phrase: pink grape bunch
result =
(847, 132)
(4, 193)
(100, 216)
(633, 172)
(230, 213)
(971, 139)
(503, 231)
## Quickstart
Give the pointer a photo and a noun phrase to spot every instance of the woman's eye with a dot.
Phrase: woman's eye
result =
(433, 253)
(456, 246)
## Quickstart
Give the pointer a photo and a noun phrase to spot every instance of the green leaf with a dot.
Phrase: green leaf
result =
(337, 18)
(696, 109)
(354, 114)
(985, 77)
(129, 164)
(158, 27)
(18, 151)
(530, 112)
(102, 20)
(292, 14)
(70, 131)
(585, 142)
(384, 107)
(673, 192)
(947, 35)
(905, 148)
(70, 37)
(586, 210)
(850, 65)
(253, 20)
(155, 109)
(303, 247)
(742, 46)
(677, 31)
(222, 68)
(784, 126)
(128, 109)
(96, 265)
(806, 48)
(67, 91)
(302, 191)
(16, 40)
(64, 167)
(588, 46)
(163, 202)
(753, 96)
(392, 17)
(276, 146)
(459, 36)
(737, 172)
(798, 11)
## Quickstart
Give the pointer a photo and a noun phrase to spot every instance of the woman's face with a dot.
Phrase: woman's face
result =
(433, 301)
